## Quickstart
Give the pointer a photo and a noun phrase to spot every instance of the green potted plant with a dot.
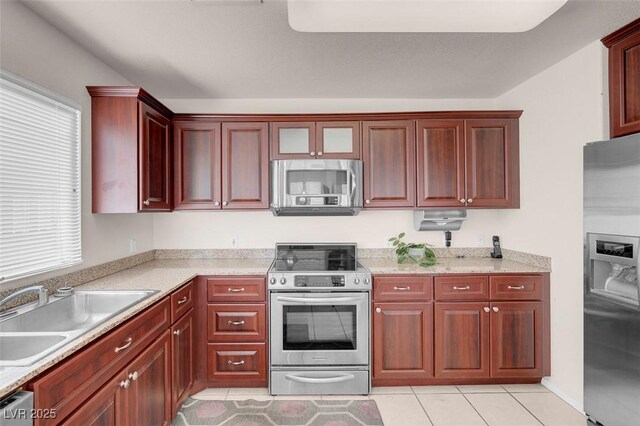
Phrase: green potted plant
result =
(419, 253)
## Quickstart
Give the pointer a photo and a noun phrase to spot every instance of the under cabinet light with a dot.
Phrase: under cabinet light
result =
(408, 16)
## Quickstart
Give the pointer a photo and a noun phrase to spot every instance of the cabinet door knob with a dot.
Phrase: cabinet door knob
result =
(312, 153)
(470, 200)
(486, 309)
(133, 376)
(319, 153)
(495, 309)
(146, 202)
(224, 203)
(125, 384)
(378, 310)
(176, 333)
(462, 200)
(217, 203)
(367, 201)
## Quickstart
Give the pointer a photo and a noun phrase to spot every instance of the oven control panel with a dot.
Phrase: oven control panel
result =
(319, 281)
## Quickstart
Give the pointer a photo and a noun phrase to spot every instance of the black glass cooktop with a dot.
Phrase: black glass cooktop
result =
(315, 257)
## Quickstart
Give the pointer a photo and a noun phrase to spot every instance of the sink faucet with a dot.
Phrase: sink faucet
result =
(43, 295)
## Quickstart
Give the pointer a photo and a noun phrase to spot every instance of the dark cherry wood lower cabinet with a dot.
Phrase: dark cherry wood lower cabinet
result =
(461, 340)
(107, 407)
(182, 351)
(516, 339)
(150, 385)
(138, 395)
(402, 342)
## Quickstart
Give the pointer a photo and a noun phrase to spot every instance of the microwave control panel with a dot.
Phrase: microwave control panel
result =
(319, 281)
(316, 201)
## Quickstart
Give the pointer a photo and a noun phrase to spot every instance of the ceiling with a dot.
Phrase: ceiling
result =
(182, 50)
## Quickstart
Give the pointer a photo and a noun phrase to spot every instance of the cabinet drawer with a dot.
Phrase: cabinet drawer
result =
(237, 361)
(462, 287)
(249, 289)
(181, 301)
(236, 323)
(399, 289)
(70, 383)
(516, 287)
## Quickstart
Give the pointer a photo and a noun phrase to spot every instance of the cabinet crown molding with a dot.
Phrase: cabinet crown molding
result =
(130, 92)
(622, 33)
(354, 116)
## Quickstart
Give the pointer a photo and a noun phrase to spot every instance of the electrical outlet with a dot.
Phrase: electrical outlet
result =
(234, 241)
(388, 243)
(132, 245)
(480, 240)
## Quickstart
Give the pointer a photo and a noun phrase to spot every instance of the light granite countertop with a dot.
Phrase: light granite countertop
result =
(452, 265)
(166, 275)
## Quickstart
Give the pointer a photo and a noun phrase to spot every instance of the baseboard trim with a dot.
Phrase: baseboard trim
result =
(556, 390)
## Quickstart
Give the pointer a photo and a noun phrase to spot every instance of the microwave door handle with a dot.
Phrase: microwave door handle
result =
(336, 379)
(316, 300)
(353, 187)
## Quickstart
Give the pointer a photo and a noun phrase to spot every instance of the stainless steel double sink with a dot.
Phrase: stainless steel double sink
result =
(35, 332)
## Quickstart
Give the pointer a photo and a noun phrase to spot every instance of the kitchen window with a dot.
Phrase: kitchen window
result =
(39, 180)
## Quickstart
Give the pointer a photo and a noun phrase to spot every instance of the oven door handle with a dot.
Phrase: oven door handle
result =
(336, 379)
(316, 300)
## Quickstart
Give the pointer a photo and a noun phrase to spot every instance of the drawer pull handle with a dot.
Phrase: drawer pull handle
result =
(466, 287)
(235, 290)
(515, 287)
(125, 346)
(183, 300)
(235, 362)
(236, 322)
(319, 380)
(407, 288)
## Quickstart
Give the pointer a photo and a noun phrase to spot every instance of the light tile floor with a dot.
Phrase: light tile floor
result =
(493, 405)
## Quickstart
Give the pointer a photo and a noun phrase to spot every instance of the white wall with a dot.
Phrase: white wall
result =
(36, 51)
(564, 109)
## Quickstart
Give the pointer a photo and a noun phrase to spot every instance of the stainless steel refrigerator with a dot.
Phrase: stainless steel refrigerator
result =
(611, 290)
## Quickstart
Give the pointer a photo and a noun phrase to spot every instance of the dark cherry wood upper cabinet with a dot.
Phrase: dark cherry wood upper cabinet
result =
(492, 163)
(293, 140)
(624, 79)
(402, 342)
(440, 163)
(130, 151)
(388, 154)
(338, 139)
(197, 160)
(516, 339)
(462, 340)
(245, 166)
(155, 163)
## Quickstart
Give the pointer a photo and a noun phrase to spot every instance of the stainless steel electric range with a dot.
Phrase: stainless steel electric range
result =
(319, 304)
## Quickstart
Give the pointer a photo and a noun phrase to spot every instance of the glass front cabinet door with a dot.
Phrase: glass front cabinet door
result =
(332, 140)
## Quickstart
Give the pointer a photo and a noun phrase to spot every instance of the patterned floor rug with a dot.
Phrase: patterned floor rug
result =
(278, 413)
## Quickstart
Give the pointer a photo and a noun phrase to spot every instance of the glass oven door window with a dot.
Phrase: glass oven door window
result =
(319, 327)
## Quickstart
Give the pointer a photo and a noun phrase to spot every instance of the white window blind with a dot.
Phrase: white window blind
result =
(39, 180)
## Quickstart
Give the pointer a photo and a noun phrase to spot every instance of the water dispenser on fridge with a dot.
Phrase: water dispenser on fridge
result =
(613, 268)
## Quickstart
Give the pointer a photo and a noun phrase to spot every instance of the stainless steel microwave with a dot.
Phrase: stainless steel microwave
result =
(316, 187)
